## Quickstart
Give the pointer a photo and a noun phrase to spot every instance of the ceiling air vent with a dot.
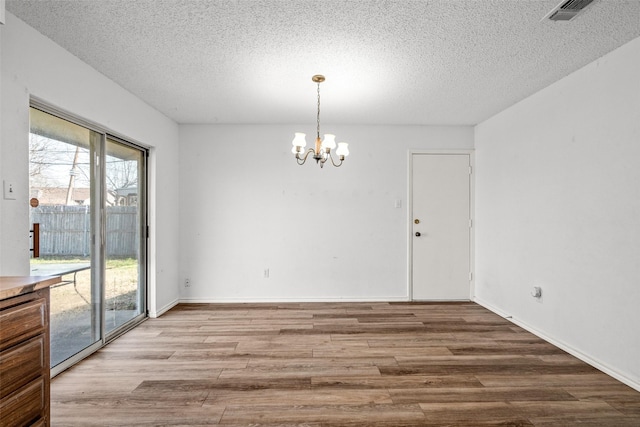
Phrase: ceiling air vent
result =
(567, 10)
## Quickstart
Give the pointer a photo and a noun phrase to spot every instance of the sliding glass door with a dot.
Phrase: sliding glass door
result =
(88, 195)
(125, 232)
(61, 195)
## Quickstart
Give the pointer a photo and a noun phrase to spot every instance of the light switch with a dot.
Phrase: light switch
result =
(398, 204)
(9, 190)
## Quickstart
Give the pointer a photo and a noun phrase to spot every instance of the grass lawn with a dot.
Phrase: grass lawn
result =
(121, 285)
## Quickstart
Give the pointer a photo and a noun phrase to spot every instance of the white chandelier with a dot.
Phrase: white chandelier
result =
(322, 150)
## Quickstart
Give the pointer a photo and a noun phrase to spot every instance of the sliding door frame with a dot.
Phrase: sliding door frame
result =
(98, 220)
(143, 244)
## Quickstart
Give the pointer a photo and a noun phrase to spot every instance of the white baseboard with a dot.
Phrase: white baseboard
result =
(286, 300)
(563, 346)
(162, 310)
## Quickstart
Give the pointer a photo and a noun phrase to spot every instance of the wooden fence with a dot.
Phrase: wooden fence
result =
(66, 230)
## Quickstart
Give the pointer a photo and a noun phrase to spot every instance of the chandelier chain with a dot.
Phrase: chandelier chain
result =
(318, 118)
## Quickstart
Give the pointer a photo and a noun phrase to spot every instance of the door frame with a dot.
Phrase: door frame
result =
(409, 233)
(106, 133)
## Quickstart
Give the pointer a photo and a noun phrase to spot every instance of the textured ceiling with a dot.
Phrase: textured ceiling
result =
(386, 62)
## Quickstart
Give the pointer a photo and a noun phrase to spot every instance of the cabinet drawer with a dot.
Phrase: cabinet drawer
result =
(23, 407)
(22, 322)
(21, 364)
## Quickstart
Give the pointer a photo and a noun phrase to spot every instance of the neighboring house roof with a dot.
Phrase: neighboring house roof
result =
(58, 195)
(49, 196)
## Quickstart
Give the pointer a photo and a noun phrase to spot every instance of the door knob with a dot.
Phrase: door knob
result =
(417, 234)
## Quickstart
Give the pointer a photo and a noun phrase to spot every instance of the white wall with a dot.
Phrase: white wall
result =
(558, 206)
(325, 234)
(1, 140)
(32, 65)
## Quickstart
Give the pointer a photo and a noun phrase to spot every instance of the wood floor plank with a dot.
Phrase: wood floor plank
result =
(491, 348)
(621, 397)
(399, 382)
(234, 384)
(185, 370)
(281, 341)
(362, 359)
(464, 394)
(368, 364)
(325, 414)
(503, 365)
(592, 381)
(299, 372)
(569, 412)
(318, 396)
(473, 413)
(383, 352)
(130, 416)
(157, 398)
(423, 338)
(428, 340)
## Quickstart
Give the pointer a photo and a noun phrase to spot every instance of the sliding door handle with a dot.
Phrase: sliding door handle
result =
(36, 240)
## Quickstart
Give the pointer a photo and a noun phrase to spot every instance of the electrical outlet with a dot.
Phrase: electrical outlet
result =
(187, 283)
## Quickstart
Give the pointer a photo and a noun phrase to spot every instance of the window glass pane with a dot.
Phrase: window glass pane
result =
(60, 189)
(124, 291)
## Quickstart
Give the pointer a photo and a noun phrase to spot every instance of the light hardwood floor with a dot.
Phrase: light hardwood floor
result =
(369, 364)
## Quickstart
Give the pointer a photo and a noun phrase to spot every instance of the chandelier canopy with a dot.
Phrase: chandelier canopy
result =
(321, 152)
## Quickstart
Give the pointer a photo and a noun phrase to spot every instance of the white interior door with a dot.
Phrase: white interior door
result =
(441, 227)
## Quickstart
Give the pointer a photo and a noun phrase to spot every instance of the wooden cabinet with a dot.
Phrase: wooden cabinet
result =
(24, 356)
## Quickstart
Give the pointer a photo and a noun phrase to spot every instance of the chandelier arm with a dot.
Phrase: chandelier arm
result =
(304, 158)
(334, 163)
